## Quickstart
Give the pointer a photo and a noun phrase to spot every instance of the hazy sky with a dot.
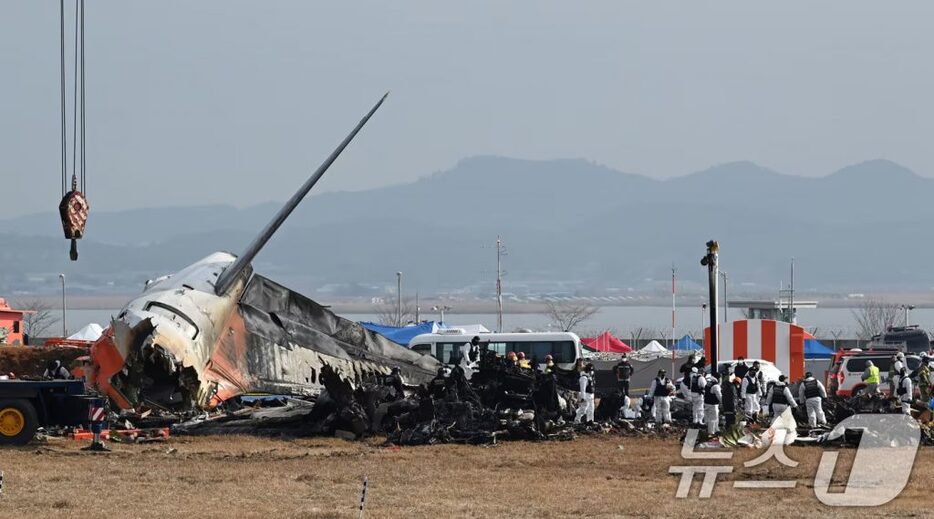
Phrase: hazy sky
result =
(236, 101)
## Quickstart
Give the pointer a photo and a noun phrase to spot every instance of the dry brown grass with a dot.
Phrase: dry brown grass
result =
(231, 477)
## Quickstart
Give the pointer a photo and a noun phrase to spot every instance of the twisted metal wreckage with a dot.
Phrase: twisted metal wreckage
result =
(195, 345)
(214, 330)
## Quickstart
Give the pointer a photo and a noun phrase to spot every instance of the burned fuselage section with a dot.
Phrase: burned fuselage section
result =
(180, 347)
(210, 332)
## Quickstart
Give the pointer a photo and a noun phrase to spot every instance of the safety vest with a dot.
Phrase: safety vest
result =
(695, 388)
(524, 364)
(624, 370)
(589, 388)
(710, 398)
(778, 394)
(810, 388)
(752, 385)
(661, 387)
(873, 377)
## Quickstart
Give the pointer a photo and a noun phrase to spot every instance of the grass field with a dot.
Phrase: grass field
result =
(231, 477)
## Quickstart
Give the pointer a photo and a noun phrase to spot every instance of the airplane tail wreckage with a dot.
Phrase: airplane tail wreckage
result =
(214, 330)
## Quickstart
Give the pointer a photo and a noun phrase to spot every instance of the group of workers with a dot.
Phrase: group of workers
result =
(740, 388)
(519, 360)
(715, 393)
(901, 381)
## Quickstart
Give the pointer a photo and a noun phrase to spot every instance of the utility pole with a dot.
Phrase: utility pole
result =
(725, 307)
(672, 345)
(791, 302)
(64, 328)
(398, 299)
(499, 284)
(710, 261)
(418, 310)
(672, 306)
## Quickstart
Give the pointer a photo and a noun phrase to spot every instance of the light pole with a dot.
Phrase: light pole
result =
(908, 309)
(398, 299)
(725, 310)
(64, 328)
(441, 309)
(499, 284)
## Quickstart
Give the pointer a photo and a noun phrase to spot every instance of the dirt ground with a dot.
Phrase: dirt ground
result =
(237, 476)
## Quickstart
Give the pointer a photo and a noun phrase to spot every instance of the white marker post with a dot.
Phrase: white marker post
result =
(363, 497)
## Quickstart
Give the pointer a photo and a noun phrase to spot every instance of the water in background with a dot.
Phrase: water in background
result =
(622, 320)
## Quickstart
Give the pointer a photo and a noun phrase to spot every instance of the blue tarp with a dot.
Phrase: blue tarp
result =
(402, 335)
(813, 349)
(687, 343)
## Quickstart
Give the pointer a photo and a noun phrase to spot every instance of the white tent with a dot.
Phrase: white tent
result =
(91, 332)
(653, 347)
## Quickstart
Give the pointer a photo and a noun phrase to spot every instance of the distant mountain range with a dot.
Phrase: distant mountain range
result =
(572, 223)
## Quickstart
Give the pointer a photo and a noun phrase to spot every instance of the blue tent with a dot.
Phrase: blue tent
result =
(402, 335)
(687, 343)
(813, 349)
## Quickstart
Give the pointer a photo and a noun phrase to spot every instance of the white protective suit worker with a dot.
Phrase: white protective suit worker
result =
(751, 391)
(661, 391)
(897, 364)
(812, 393)
(55, 370)
(712, 399)
(695, 395)
(586, 408)
(905, 391)
(779, 397)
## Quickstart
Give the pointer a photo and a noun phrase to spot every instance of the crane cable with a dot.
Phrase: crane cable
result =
(64, 137)
(74, 110)
(83, 113)
(73, 208)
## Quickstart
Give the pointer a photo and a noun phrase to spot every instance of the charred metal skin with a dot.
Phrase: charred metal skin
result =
(162, 341)
(179, 346)
(211, 332)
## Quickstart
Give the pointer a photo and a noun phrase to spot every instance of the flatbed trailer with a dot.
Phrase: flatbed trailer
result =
(26, 405)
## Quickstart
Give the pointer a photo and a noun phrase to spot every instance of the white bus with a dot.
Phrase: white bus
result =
(564, 347)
